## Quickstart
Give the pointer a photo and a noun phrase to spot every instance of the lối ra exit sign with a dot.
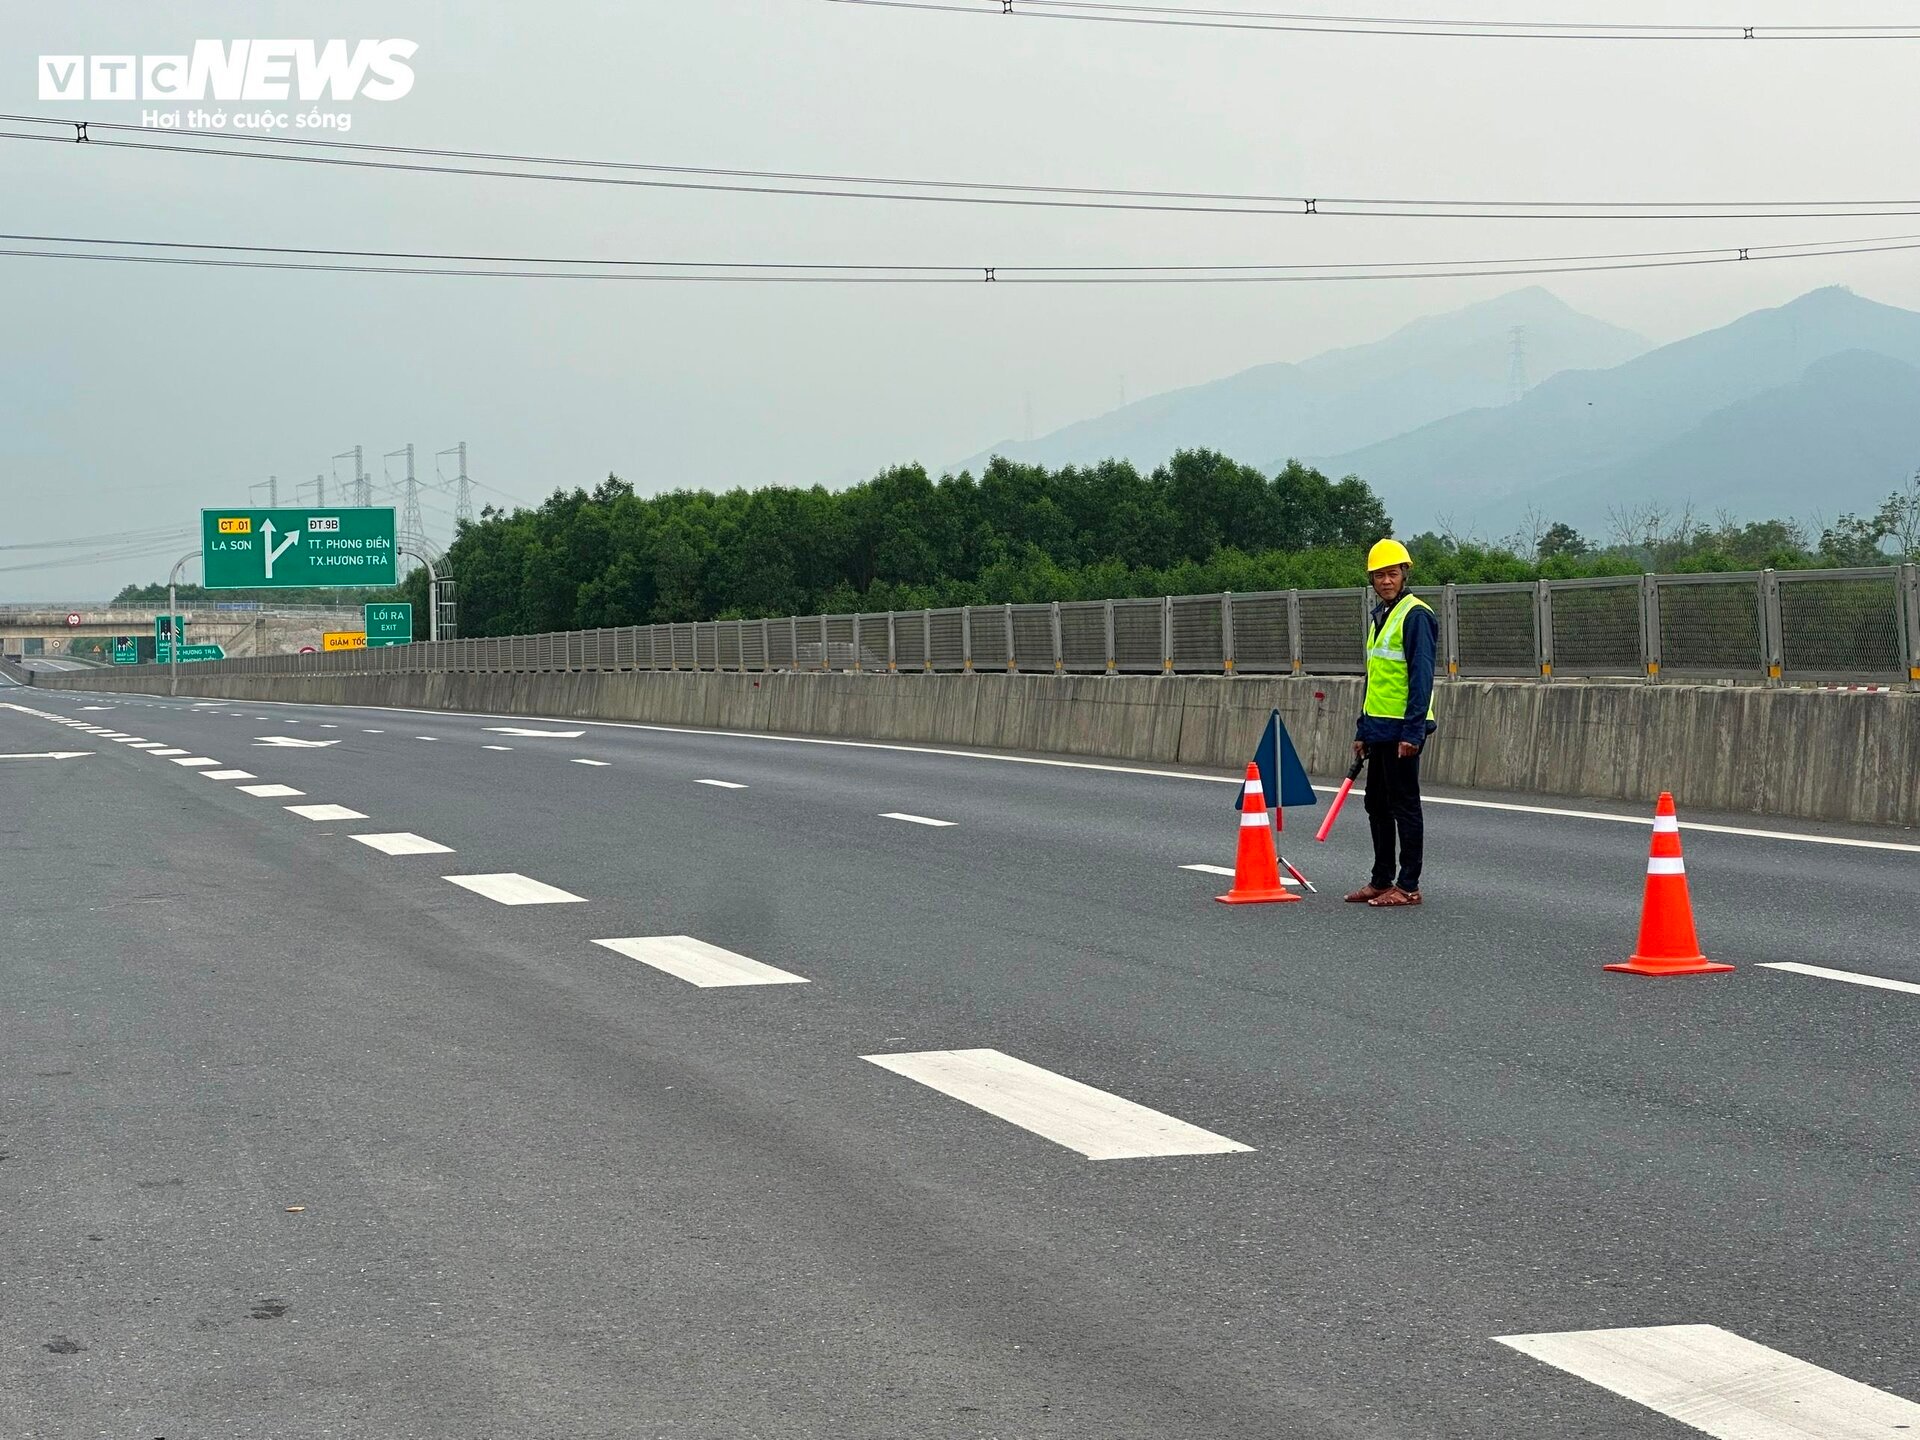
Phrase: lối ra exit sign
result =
(292, 549)
(389, 623)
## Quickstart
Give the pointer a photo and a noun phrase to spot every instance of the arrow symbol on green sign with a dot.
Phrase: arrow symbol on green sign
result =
(274, 552)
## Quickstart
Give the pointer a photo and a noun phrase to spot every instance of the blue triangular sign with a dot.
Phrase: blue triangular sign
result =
(1281, 772)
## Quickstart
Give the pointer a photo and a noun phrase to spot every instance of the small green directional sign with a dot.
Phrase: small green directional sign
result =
(389, 625)
(243, 549)
(165, 627)
(126, 650)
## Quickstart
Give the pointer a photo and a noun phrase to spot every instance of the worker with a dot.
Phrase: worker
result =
(1396, 719)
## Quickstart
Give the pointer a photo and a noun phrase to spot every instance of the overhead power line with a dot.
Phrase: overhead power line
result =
(1192, 17)
(249, 257)
(818, 185)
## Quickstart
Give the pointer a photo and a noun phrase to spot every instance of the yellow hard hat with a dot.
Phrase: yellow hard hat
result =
(1387, 552)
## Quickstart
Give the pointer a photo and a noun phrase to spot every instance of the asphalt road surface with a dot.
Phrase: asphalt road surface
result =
(998, 1127)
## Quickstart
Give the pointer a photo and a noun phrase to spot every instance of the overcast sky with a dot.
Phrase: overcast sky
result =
(132, 395)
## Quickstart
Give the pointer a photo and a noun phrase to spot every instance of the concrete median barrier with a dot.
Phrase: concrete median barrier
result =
(1805, 753)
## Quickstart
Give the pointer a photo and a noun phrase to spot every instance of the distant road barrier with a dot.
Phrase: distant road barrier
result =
(1856, 626)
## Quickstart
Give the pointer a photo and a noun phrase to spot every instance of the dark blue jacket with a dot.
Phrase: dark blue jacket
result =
(1421, 636)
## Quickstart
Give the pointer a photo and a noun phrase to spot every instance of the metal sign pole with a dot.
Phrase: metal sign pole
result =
(173, 624)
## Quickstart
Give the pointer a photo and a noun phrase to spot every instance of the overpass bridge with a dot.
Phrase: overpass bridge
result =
(261, 630)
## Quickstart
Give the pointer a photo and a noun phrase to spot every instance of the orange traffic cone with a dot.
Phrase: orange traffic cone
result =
(1667, 945)
(1256, 869)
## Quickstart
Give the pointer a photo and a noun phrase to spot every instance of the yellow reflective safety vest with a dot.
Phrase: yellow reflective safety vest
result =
(1387, 682)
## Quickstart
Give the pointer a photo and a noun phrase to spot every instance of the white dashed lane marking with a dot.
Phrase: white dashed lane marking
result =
(542, 734)
(269, 792)
(496, 747)
(915, 819)
(403, 843)
(1227, 870)
(1099, 1125)
(722, 784)
(1821, 972)
(1723, 1384)
(326, 812)
(602, 763)
(166, 754)
(196, 760)
(511, 889)
(228, 774)
(698, 963)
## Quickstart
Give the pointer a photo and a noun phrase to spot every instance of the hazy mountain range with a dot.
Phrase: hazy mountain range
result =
(1806, 410)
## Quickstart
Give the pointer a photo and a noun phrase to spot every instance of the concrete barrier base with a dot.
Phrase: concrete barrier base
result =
(1812, 754)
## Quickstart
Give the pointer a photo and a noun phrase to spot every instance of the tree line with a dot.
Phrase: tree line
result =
(1200, 523)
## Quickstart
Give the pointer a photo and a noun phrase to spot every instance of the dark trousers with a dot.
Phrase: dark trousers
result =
(1393, 805)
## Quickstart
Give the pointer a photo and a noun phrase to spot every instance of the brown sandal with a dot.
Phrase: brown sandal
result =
(1393, 897)
(1366, 893)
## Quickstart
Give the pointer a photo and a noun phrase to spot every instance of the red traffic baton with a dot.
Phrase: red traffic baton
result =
(1346, 788)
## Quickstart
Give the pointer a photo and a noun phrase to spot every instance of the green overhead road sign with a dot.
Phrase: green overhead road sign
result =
(126, 650)
(389, 625)
(165, 627)
(244, 549)
(201, 652)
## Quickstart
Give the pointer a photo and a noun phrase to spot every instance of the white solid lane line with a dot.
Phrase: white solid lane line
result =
(325, 812)
(196, 760)
(698, 963)
(916, 819)
(722, 784)
(269, 792)
(601, 763)
(229, 774)
(402, 842)
(511, 889)
(1821, 972)
(1099, 1125)
(1722, 1384)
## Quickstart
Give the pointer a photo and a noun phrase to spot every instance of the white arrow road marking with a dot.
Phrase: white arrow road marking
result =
(698, 963)
(292, 742)
(546, 734)
(49, 755)
(1722, 1384)
(1099, 1125)
(274, 552)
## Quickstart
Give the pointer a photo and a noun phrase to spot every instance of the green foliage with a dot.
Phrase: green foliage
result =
(904, 540)
(1200, 523)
